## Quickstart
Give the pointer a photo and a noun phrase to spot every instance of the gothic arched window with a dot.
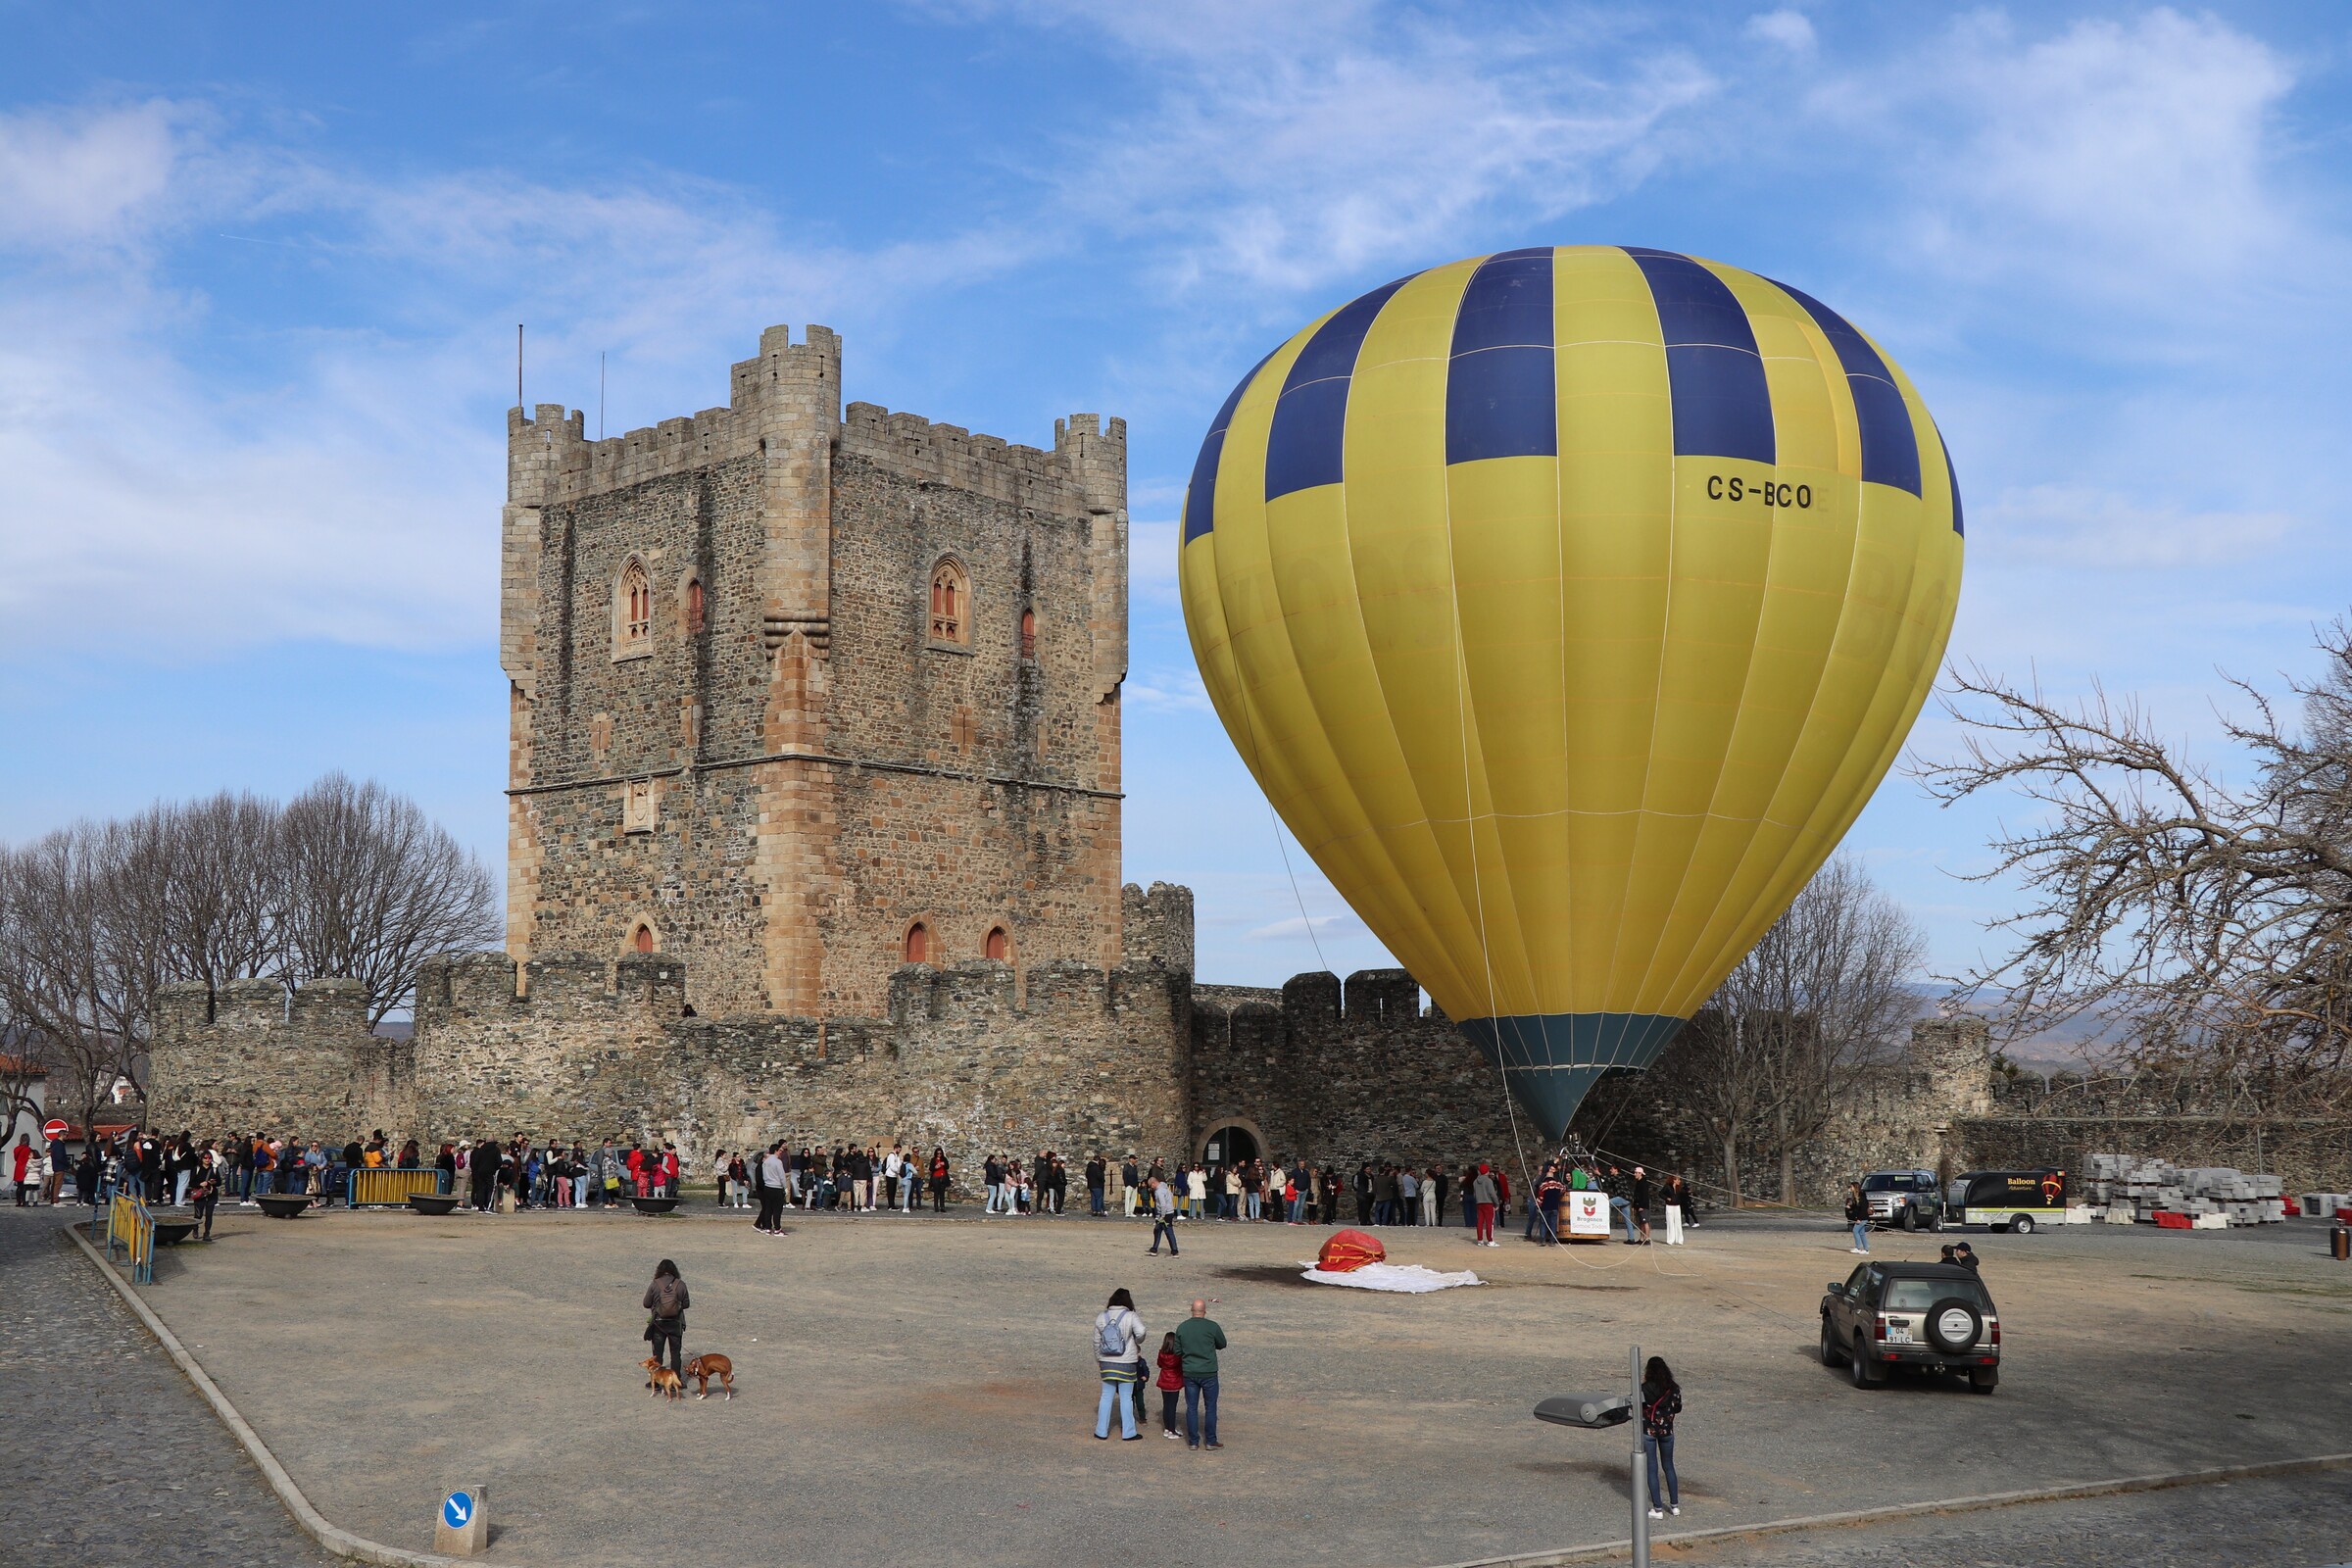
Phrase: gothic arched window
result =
(919, 944)
(1028, 635)
(642, 939)
(694, 606)
(999, 945)
(633, 611)
(951, 603)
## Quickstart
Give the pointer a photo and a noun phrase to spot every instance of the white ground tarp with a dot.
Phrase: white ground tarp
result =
(1410, 1278)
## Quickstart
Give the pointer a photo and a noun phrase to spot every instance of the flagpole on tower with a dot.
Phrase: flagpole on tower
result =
(519, 364)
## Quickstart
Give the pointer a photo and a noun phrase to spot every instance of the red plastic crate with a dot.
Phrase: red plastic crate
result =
(2166, 1219)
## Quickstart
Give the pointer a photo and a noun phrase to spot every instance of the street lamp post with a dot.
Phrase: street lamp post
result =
(1598, 1411)
(1640, 1486)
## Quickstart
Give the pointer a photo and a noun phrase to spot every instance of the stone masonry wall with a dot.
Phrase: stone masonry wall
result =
(972, 1056)
(1345, 1073)
(1083, 1060)
(999, 808)
(975, 1058)
(264, 1061)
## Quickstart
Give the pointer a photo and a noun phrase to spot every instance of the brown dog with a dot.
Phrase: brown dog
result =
(662, 1380)
(711, 1364)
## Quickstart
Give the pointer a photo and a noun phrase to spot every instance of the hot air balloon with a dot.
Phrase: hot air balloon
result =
(1569, 604)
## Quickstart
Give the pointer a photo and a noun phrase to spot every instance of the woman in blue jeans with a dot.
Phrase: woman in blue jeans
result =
(1119, 1358)
(1661, 1402)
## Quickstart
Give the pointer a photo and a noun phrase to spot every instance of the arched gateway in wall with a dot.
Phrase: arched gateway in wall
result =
(1232, 1142)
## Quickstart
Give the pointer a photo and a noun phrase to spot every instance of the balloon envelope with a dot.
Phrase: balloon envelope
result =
(1569, 604)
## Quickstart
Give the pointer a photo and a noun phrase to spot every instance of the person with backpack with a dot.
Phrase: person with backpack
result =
(1119, 1356)
(1661, 1402)
(665, 1303)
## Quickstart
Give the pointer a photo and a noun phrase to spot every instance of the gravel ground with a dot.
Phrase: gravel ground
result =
(112, 1459)
(919, 1390)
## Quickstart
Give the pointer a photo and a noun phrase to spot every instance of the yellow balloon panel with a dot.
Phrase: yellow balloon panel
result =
(1569, 604)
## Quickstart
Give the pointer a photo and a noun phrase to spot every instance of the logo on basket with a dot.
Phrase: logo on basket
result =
(456, 1509)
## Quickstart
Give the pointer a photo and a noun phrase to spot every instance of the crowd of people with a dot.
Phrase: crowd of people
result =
(518, 1173)
(849, 1178)
(491, 1176)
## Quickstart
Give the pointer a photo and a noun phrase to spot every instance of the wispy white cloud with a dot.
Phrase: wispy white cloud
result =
(1791, 29)
(2076, 525)
(2107, 161)
(1152, 546)
(1297, 928)
(90, 175)
(343, 492)
(1176, 690)
(1285, 149)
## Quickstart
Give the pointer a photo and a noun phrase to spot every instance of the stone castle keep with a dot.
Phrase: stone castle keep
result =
(814, 834)
(798, 697)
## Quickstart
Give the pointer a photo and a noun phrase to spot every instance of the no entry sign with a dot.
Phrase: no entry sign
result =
(53, 1128)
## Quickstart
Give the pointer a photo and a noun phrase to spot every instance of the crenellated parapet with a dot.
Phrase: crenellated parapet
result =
(551, 458)
(1085, 472)
(1156, 923)
(1348, 1070)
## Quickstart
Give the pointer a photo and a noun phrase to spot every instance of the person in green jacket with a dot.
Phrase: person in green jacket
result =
(1200, 1340)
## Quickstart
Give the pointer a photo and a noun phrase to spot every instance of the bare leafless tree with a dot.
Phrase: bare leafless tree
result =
(24, 1069)
(2206, 925)
(373, 887)
(207, 878)
(1824, 994)
(1842, 960)
(82, 954)
(347, 880)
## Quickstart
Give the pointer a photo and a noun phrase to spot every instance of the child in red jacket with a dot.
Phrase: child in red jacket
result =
(1170, 1384)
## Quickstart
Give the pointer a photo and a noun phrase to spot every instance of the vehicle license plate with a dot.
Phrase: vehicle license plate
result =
(1898, 1334)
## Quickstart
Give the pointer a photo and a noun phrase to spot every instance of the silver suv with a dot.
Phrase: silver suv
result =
(1908, 1198)
(1937, 1317)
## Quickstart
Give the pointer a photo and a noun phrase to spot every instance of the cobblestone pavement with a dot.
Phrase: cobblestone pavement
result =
(2284, 1522)
(112, 1459)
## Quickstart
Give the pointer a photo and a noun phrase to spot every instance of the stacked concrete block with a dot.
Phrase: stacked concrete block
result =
(2217, 1194)
(2322, 1205)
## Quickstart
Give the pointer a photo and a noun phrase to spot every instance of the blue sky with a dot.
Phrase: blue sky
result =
(260, 267)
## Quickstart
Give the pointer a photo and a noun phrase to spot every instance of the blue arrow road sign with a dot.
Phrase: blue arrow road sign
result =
(456, 1509)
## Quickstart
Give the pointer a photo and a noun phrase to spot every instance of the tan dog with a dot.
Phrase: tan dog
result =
(662, 1380)
(711, 1364)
